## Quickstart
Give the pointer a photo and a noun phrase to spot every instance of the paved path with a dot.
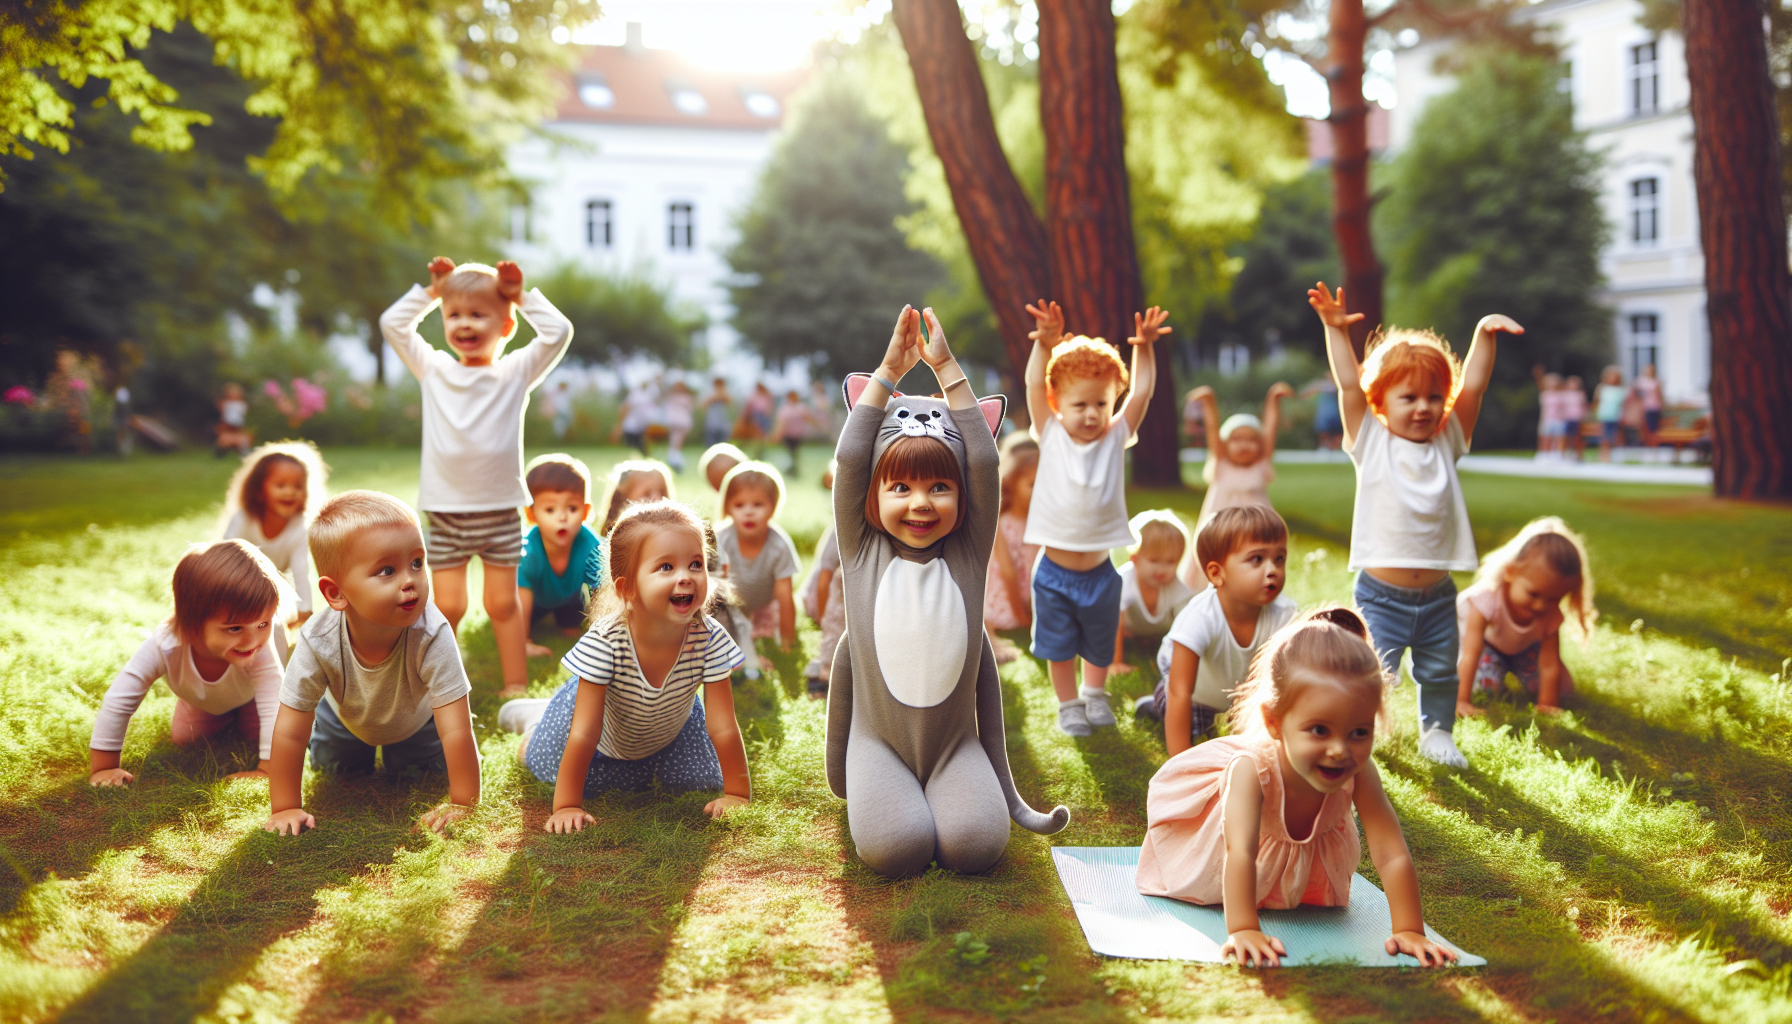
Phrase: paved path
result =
(1512, 465)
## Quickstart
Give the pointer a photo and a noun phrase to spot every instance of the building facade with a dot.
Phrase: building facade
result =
(1630, 95)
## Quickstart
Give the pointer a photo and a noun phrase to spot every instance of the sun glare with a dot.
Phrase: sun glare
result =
(737, 35)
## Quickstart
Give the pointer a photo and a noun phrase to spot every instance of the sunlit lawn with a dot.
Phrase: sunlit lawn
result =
(1626, 862)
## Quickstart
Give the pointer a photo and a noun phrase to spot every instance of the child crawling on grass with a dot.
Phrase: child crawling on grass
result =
(1511, 616)
(1262, 818)
(272, 497)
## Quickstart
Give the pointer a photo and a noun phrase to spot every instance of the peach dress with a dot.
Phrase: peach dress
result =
(1184, 856)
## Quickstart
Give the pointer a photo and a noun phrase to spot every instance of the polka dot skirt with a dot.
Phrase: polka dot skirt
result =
(686, 764)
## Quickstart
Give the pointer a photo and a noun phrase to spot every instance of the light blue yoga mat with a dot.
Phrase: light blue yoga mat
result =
(1119, 921)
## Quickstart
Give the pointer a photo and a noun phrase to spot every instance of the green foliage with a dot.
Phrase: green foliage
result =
(616, 318)
(1494, 208)
(821, 266)
(1291, 248)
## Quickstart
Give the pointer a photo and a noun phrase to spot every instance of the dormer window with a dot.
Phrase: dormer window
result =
(595, 92)
(686, 98)
(761, 104)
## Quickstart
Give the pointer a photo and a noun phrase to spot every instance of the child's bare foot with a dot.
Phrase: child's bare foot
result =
(535, 650)
(510, 281)
(439, 269)
(509, 692)
(1549, 709)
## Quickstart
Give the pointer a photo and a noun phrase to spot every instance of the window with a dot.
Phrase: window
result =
(599, 224)
(1565, 84)
(1701, 351)
(760, 104)
(1645, 79)
(1234, 359)
(681, 227)
(595, 91)
(1645, 334)
(1645, 211)
(686, 98)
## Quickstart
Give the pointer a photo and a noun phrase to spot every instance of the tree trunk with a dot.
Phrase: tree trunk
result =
(1088, 210)
(1350, 166)
(1006, 239)
(1742, 228)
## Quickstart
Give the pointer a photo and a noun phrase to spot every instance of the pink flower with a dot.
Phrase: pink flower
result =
(273, 390)
(19, 394)
(311, 398)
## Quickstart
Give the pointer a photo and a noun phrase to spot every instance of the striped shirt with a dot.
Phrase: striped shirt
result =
(640, 718)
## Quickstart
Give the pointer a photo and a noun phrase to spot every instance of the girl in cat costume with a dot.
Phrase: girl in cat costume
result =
(914, 735)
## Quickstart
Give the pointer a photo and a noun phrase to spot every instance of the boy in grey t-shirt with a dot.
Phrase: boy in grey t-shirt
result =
(378, 670)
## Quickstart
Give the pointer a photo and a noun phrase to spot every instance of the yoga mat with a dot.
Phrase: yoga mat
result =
(1119, 921)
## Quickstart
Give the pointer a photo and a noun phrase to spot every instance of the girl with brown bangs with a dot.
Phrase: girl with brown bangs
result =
(269, 503)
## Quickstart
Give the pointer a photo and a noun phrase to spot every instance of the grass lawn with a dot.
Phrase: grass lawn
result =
(1626, 862)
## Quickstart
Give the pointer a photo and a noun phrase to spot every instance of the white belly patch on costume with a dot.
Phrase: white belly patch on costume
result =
(921, 634)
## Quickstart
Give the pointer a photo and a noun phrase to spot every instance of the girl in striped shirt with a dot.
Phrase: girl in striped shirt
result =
(630, 717)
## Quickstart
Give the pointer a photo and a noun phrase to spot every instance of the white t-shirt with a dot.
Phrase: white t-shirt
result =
(1202, 628)
(1079, 499)
(287, 551)
(1133, 614)
(473, 415)
(163, 656)
(1409, 508)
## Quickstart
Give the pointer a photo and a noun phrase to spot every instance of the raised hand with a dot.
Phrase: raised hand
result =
(289, 822)
(110, 777)
(443, 815)
(568, 820)
(1331, 310)
(1252, 948)
(722, 805)
(510, 281)
(439, 269)
(934, 350)
(1420, 948)
(905, 346)
(1048, 323)
(1280, 389)
(1499, 322)
(1148, 326)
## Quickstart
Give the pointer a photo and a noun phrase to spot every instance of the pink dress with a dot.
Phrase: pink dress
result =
(1184, 856)
(1230, 485)
(998, 611)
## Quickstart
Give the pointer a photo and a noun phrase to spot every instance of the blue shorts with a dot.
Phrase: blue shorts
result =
(1075, 614)
(335, 749)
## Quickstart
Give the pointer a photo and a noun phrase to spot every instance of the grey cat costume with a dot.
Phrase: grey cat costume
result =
(915, 743)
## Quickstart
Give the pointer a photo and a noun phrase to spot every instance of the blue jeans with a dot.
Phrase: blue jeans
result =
(335, 749)
(687, 764)
(1425, 621)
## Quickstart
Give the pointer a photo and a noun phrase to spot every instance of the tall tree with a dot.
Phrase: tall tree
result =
(1346, 37)
(1742, 230)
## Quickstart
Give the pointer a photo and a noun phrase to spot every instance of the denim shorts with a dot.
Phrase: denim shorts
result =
(335, 749)
(1075, 614)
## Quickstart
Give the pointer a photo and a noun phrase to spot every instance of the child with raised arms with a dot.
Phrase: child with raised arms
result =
(1150, 593)
(1240, 460)
(1262, 818)
(1511, 616)
(1210, 646)
(629, 717)
(473, 405)
(633, 480)
(1409, 413)
(758, 557)
(563, 561)
(215, 651)
(275, 492)
(1079, 501)
(378, 672)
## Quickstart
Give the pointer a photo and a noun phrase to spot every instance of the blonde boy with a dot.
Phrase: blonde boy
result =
(1078, 513)
(1150, 592)
(1244, 552)
(379, 670)
(473, 404)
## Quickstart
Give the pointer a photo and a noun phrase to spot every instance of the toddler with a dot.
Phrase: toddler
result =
(1240, 464)
(792, 427)
(718, 417)
(562, 559)
(681, 404)
(1410, 527)
(1511, 616)
(713, 467)
(1609, 397)
(233, 433)
(1210, 647)
(377, 672)
(716, 461)
(629, 716)
(630, 481)
(822, 601)
(1262, 818)
(758, 557)
(1574, 413)
(1008, 597)
(1551, 424)
(278, 488)
(1150, 593)
(1079, 506)
(215, 653)
(473, 407)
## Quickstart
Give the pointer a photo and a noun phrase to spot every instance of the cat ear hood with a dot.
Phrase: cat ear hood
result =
(914, 416)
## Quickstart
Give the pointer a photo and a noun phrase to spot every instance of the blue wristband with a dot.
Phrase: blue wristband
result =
(891, 388)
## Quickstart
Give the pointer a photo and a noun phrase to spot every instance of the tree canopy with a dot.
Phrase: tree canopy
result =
(617, 317)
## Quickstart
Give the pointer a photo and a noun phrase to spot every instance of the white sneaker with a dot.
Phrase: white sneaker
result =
(1145, 707)
(1096, 707)
(1074, 720)
(518, 715)
(1438, 745)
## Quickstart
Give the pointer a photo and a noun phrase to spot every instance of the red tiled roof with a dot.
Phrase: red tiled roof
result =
(643, 81)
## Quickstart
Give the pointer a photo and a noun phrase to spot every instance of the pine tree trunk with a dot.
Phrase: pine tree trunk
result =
(1006, 239)
(1088, 220)
(1742, 228)
(1350, 166)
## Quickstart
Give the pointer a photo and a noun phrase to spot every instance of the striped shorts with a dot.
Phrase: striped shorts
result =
(455, 537)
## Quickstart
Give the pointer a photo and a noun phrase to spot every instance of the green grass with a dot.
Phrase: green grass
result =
(1627, 862)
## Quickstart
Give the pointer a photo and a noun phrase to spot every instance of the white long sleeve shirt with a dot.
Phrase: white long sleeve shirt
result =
(163, 656)
(473, 415)
(287, 551)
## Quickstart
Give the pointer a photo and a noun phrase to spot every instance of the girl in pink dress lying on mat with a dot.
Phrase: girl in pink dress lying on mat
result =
(1262, 817)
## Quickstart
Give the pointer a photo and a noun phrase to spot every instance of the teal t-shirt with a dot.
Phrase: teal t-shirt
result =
(585, 568)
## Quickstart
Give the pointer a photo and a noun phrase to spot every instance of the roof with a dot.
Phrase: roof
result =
(635, 85)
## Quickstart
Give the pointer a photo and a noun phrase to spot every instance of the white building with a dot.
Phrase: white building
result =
(1630, 96)
(644, 168)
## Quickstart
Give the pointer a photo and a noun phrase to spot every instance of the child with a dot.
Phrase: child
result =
(629, 716)
(1241, 466)
(822, 601)
(473, 407)
(1150, 594)
(630, 481)
(378, 672)
(681, 404)
(640, 410)
(562, 558)
(1079, 505)
(215, 653)
(1262, 818)
(758, 557)
(792, 427)
(1410, 529)
(275, 491)
(233, 419)
(1008, 600)
(1511, 616)
(1609, 399)
(716, 461)
(718, 419)
(1574, 413)
(1244, 551)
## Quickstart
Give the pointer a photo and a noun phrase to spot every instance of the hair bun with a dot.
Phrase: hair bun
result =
(1341, 616)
